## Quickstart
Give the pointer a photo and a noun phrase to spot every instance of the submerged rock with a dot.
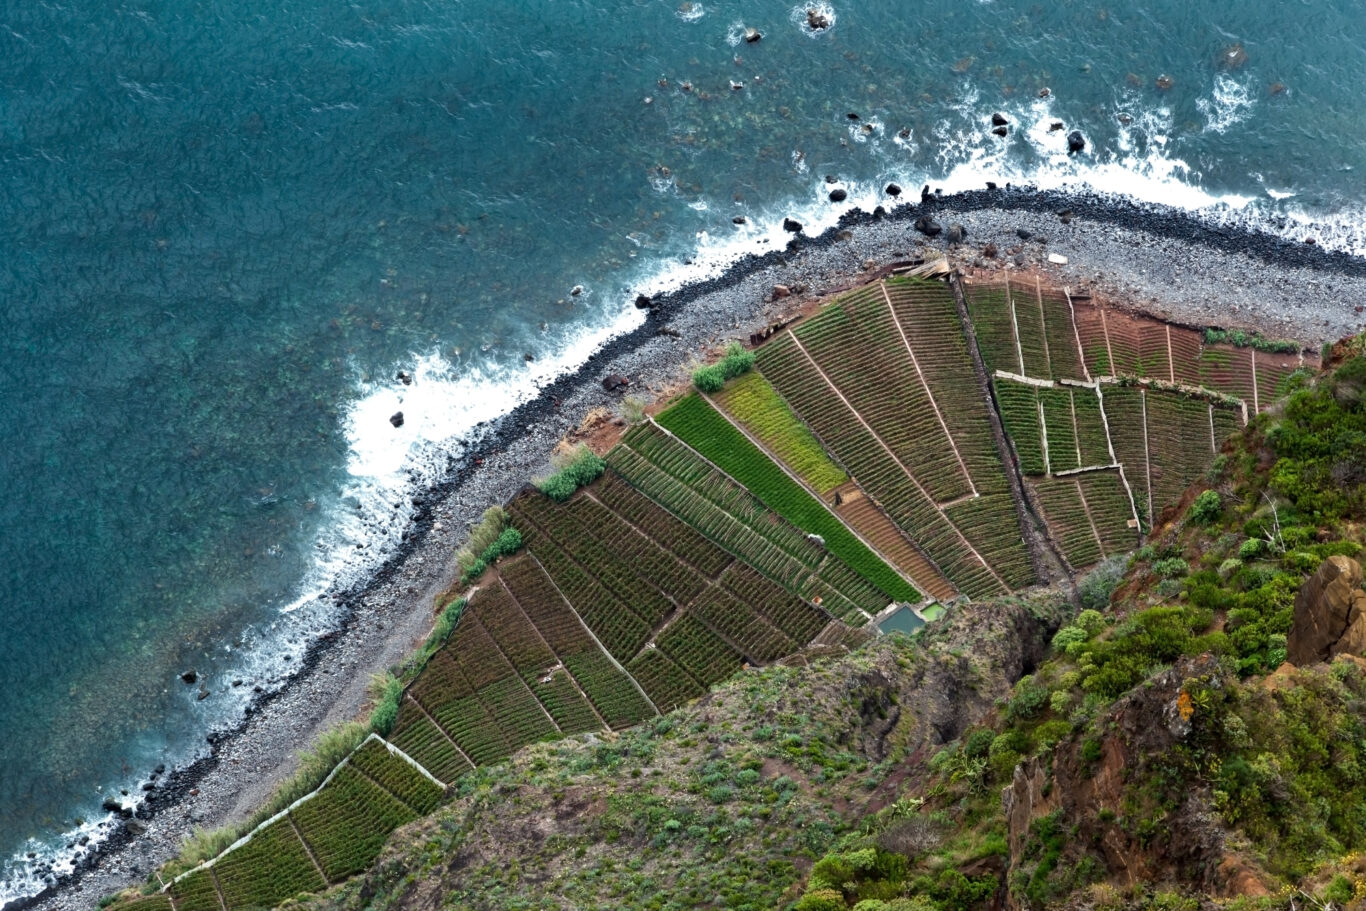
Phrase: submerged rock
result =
(999, 131)
(792, 226)
(816, 20)
(190, 676)
(838, 195)
(1075, 142)
(739, 220)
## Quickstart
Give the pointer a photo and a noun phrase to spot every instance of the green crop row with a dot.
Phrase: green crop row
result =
(397, 776)
(994, 327)
(754, 402)
(348, 822)
(698, 424)
(698, 650)
(416, 735)
(668, 684)
(1019, 405)
(196, 892)
(1063, 452)
(1066, 517)
(265, 871)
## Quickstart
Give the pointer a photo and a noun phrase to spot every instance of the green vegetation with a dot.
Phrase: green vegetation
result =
(735, 362)
(583, 467)
(754, 402)
(1240, 339)
(482, 537)
(1320, 446)
(508, 542)
(698, 424)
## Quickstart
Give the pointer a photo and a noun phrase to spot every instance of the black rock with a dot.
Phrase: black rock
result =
(405, 377)
(126, 813)
(111, 805)
(136, 827)
(615, 382)
(851, 115)
(161, 768)
(1023, 233)
(831, 178)
(879, 212)
(643, 302)
(925, 195)
(991, 184)
(999, 131)
(928, 226)
(752, 35)
(1075, 142)
(396, 419)
(739, 220)
(792, 226)
(998, 119)
(892, 190)
(838, 195)
(816, 20)
(149, 786)
(189, 676)
(956, 234)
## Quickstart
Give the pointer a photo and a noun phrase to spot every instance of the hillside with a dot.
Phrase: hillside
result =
(912, 442)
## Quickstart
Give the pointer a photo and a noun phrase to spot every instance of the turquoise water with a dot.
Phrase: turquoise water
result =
(224, 226)
(903, 620)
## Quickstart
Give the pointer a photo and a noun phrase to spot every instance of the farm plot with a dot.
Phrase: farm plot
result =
(1029, 327)
(442, 690)
(1061, 429)
(1091, 435)
(752, 401)
(397, 776)
(158, 901)
(795, 618)
(860, 513)
(741, 623)
(1061, 337)
(1111, 512)
(858, 345)
(196, 892)
(1186, 345)
(1065, 511)
(989, 522)
(668, 684)
(686, 542)
(1124, 412)
(1226, 420)
(878, 473)
(418, 736)
(1095, 345)
(533, 660)
(1179, 443)
(347, 822)
(696, 423)
(696, 648)
(1019, 404)
(994, 325)
(265, 871)
(1227, 369)
(1273, 369)
(609, 689)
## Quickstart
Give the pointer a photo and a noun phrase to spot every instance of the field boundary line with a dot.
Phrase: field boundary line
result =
(821, 500)
(1147, 453)
(294, 827)
(912, 478)
(1076, 333)
(1213, 446)
(218, 890)
(1171, 360)
(1015, 327)
(1076, 432)
(1026, 380)
(1043, 321)
(1256, 402)
(592, 635)
(1110, 444)
(412, 762)
(1043, 435)
(1105, 330)
(517, 602)
(929, 393)
(444, 733)
(515, 673)
(1085, 469)
(1086, 510)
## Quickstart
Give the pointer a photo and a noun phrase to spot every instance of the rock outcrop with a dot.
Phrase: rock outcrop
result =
(1330, 614)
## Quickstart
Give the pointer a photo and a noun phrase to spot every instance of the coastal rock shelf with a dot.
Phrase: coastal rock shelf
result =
(910, 442)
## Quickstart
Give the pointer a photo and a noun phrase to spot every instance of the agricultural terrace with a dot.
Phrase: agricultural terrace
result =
(698, 424)
(330, 834)
(908, 420)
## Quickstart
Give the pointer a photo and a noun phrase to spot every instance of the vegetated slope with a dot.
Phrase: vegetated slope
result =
(720, 804)
(1166, 755)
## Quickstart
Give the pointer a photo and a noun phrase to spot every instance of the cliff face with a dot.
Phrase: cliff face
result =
(719, 804)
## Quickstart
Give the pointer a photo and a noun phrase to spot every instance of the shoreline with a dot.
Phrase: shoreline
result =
(1167, 262)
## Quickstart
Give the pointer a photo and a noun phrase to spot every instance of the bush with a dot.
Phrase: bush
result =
(821, 900)
(583, 467)
(1171, 567)
(490, 526)
(387, 691)
(1206, 508)
(1251, 549)
(735, 362)
(1100, 583)
(508, 542)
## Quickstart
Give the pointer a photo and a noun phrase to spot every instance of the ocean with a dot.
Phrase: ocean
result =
(225, 227)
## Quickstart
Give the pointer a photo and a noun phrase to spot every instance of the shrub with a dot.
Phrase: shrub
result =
(821, 900)
(735, 362)
(1069, 639)
(1100, 583)
(490, 526)
(387, 691)
(1171, 567)
(1206, 508)
(583, 467)
(1251, 549)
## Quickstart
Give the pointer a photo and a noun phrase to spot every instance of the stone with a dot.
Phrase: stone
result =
(928, 226)
(136, 827)
(1164, 82)
(160, 769)
(111, 805)
(1045, 92)
(753, 35)
(576, 291)
(528, 356)
(999, 131)
(396, 419)
(1330, 614)
(838, 195)
(792, 226)
(190, 676)
(615, 382)
(816, 20)
(956, 233)
(998, 119)
(991, 184)
(925, 194)
(1055, 125)
(739, 220)
(781, 291)
(203, 693)
(1233, 57)
(1023, 233)
(990, 251)
(404, 377)
(892, 190)
(1075, 142)
(643, 302)
(1057, 259)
